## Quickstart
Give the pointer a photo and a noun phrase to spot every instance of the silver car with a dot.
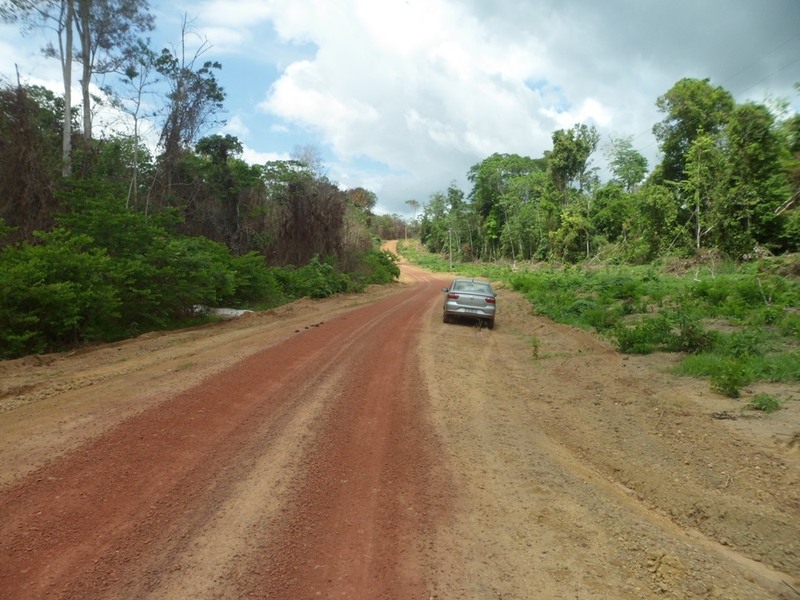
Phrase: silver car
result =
(470, 299)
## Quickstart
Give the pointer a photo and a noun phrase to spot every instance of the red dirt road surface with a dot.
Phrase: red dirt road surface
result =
(359, 448)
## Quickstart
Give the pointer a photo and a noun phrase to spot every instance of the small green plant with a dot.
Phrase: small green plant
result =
(692, 337)
(744, 344)
(730, 377)
(647, 336)
(765, 403)
(535, 344)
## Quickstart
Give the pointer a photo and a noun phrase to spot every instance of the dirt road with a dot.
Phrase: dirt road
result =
(357, 447)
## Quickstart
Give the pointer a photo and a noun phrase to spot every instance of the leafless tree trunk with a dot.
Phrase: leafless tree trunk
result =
(66, 70)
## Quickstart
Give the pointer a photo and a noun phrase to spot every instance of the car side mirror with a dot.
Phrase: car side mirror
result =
(445, 289)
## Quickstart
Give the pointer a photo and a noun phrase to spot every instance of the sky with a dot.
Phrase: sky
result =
(402, 97)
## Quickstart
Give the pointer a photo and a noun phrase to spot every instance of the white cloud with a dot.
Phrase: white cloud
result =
(404, 96)
(236, 126)
(255, 157)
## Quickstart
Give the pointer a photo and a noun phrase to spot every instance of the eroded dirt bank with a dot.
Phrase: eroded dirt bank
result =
(358, 447)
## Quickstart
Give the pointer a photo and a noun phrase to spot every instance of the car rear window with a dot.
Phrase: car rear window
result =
(475, 287)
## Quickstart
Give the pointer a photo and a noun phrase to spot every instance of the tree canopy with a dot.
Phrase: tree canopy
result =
(727, 181)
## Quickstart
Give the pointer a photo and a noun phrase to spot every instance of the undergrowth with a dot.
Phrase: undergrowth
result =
(735, 324)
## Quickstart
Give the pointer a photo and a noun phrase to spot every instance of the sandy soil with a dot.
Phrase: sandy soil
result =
(357, 447)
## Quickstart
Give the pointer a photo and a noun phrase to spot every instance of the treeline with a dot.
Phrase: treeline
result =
(118, 248)
(727, 182)
(282, 210)
(104, 237)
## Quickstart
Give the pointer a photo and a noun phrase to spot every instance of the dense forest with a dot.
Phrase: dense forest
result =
(727, 182)
(102, 237)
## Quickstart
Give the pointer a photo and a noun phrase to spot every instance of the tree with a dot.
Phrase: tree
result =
(655, 224)
(415, 206)
(573, 238)
(568, 162)
(194, 97)
(58, 15)
(704, 173)
(613, 207)
(363, 199)
(628, 165)
(692, 107)
(308, 214)
(434, 230)
(30, 140)
(757, 184)
(137, 79)
(311, 157)
(107, 30)
(222, 194)
(491, 179)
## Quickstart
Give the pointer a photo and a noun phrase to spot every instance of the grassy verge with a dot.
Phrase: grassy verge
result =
(735, 324)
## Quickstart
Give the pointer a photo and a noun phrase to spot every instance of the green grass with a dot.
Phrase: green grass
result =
(438, 264)
(765, 403)
(735, 324)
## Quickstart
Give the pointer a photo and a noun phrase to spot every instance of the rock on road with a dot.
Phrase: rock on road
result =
(362, 449)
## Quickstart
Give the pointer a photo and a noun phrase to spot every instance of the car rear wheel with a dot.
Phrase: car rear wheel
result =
(490, 323)
(445, 318)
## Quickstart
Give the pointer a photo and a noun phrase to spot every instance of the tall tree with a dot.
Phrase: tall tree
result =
(691, 107)
(108, 32)
(491, 179)
(137, 81)
(414, 204)
(194, 98)
(757, 184)
(568, 162)
(434, 227)
(59, 16)
(704, 174)
(627, 164)
(223, 190)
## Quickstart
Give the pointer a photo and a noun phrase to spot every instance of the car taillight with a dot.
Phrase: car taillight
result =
(490, 300)
(452, 296)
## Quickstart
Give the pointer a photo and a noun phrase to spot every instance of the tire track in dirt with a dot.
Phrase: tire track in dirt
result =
(371, 491)
(535, 519)
(119, 517)
(383, 454)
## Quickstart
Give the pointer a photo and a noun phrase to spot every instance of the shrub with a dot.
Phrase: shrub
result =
(379, 266)
(730, 376)
(765, 403)
(692, 337)
(55, 294)
(644, 337)
(743, 344)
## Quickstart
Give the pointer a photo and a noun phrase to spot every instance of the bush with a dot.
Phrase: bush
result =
(317, 279)
(55, 294)
(644, 337)
(380, 266)
(254, 282)
(730, 376)
(692, 337)
(765, 403)
(743, 344)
